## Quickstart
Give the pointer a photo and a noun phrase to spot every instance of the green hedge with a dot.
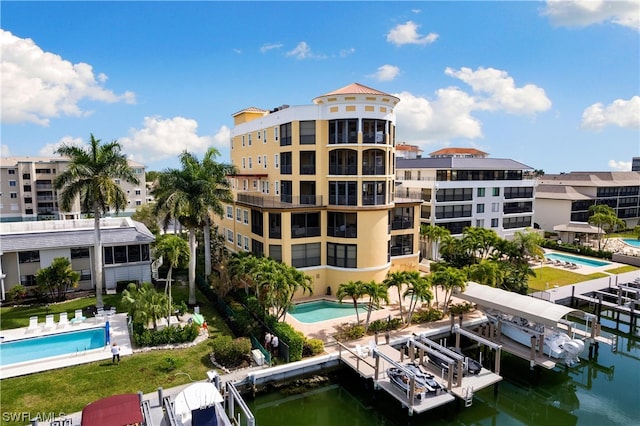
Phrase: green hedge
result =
(231, 352)
(294, 339)
(577, 249)
(168, 335)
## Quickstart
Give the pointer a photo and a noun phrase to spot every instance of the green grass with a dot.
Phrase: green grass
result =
(555, 276)
(68, 390)
(622, 269)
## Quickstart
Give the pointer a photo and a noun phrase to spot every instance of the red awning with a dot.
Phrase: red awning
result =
(117, 410)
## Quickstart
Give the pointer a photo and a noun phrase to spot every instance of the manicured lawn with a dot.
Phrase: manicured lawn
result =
(622, 269)
(555, 276)
(68, 390)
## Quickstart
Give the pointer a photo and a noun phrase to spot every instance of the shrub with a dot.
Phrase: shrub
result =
(428, 315)
(169, 364)
(460, 308)
(294, 339)
(312, 347)
(385, 325)
(231, 352)
(168, 335)
(17, 293)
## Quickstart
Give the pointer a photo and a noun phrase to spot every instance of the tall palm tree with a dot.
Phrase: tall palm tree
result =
(449, 279)
(190, 194)
(419, 290)
(399, 279)
(353, 289)
(90, 175)
(176, 251)
(377, 292)
(433, 234)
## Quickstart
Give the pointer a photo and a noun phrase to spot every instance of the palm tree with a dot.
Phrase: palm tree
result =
(528, 244)
(433, 234)
(354, 290)
(606, 219)
(90, 175)
(450, 279)
(419, 290)
(398, 280)
(190, 194)
(176, 251)
(377, 292)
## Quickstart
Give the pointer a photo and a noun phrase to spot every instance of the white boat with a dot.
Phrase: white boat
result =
(557, 344)
(200, 404)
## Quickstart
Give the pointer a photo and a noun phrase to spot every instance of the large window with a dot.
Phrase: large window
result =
(275, 252)
(257, 248)
(257, 224)
(307, 132)
(401, 244)
(516, 222)
(373, 193)
(518, 192)
(373, 131)
(449, 212)
(521, 207)
(373, 162)
(305, 225)
(32, 256)
(28, 280)
(455, 228)
(342, 255)
(286, 166)
(343, 193)
(308, 192)
(307, 162)
(340, 224)
(454, 194)
(402, 218)
(343, 162)
(285, 134)
(275, 227)
(304, 255)
(343, 131)
(286, 191)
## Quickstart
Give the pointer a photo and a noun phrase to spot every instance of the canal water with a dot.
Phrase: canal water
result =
(600, 392)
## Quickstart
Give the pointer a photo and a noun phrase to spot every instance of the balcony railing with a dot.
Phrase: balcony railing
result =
(342, 231)
(373, 170)
(303, 232)
(373, 200)
(336, 169)
(402, 223)
(283, 201)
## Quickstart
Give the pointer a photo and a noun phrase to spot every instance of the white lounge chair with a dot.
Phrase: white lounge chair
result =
(78, 317)
(64, 320)
(362, 351)
(33, 324)
(100, 315)
(49, 323)
(111, 312)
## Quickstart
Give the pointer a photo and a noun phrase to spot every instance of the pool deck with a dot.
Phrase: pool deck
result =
(118, 331)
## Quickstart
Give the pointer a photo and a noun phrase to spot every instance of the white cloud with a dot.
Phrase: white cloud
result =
(449, 114)
(620, 166)
(160, 139)
(303, 51)
(270, 46)
(50, 149)
(501, 91)
(386, 73)
(4, 150)
(38, 85)
(581, 13)
(421, 120)
(407, 33)
(621, 113)
(347, 52)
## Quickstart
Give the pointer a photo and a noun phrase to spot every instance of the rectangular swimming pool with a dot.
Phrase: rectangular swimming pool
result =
(583, 261)
(35, 348)
(323, 310)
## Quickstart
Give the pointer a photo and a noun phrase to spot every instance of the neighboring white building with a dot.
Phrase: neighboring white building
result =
(565, 198)
(461, 190)
(27, 192)
(28, 247)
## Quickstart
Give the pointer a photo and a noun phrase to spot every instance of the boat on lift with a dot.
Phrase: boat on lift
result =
(557, 344)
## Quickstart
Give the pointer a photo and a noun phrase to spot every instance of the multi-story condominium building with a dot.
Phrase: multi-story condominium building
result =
(463, 187)
(29, 246)
(27, 191)
(566, 197)
(315, 188)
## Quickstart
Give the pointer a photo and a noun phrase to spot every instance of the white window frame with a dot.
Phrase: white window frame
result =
(276, 160)
(230, 235)
(229, 212)
(244, 163)
(245, 184)
(264, 161)
(250, 163)
(246, 243)
(276, 187)
(264, 136)
(238, 214)
(239, 240)
(243, 141)
(249, 139)
(275, 132)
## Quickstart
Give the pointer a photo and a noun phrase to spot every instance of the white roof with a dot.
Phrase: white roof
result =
(578, 227)
(536, 310)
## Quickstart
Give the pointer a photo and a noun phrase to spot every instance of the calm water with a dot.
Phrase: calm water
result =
(53, 345)
(632, 242)
(602, 392)
(322, 310)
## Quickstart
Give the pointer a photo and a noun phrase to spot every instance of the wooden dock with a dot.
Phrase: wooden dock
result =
(365, 366)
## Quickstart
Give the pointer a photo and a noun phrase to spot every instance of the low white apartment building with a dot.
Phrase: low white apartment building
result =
(461, 190)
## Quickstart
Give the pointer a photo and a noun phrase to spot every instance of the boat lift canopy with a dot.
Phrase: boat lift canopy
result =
(536, 310)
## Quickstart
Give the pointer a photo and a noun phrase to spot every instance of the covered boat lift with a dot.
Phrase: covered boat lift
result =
(534, 310)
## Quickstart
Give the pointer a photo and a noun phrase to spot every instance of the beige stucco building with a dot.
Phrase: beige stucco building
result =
(27, 192)
(315, 188)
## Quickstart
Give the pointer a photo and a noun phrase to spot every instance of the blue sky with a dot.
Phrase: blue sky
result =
(555, 85)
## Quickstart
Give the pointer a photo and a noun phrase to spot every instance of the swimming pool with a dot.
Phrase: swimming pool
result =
(35, 348)
(323, 310)
(632, 242)
(577, 260)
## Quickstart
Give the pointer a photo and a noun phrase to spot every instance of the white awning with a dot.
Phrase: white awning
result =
(582, 227)
(536, 310)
